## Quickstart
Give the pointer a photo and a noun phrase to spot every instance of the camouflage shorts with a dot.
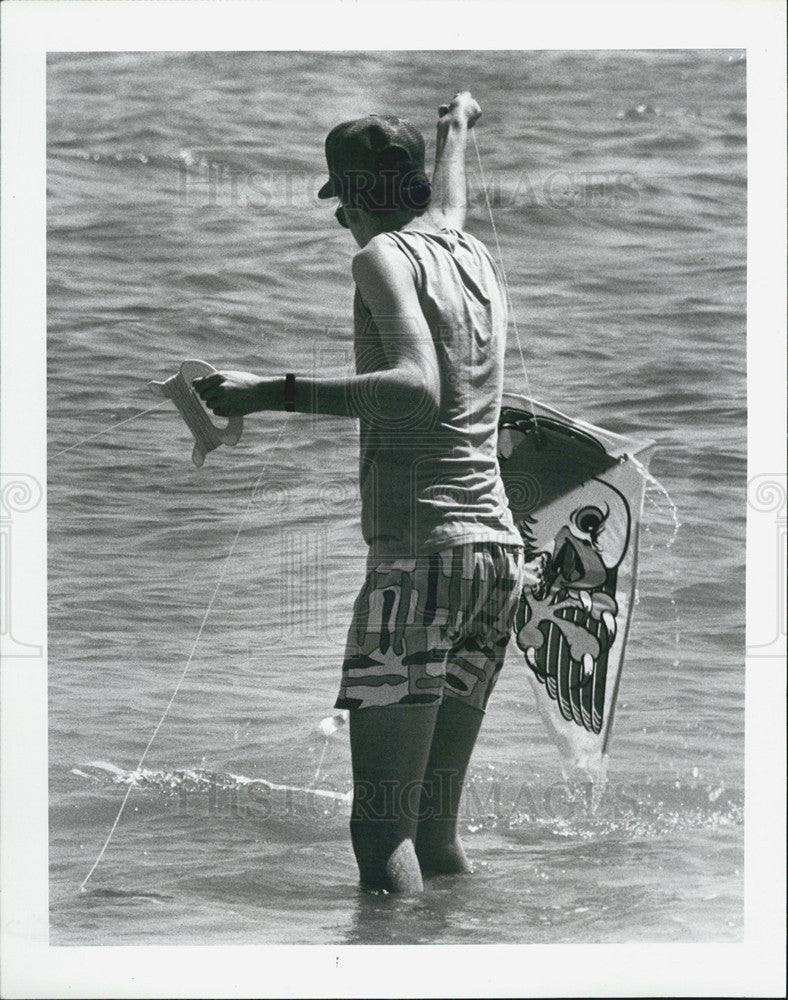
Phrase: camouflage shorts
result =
(432, 627)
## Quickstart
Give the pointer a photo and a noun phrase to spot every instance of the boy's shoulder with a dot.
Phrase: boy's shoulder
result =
(381, 253)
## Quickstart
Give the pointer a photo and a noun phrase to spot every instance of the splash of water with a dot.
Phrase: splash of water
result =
(585, 810)
(651, 480)
(328, 726)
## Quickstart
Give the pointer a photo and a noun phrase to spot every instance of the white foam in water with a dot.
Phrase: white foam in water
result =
(189, 779)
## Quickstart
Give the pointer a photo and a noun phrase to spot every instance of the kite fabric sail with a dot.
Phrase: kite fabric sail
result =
(576, 492)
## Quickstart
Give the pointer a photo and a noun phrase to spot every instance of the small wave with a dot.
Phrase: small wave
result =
(185, 159)
(117, 159)
(659, 145)
(639, 112)
(205, 281)
(198, 780)
(582, 810)
(724, 177)
(130, 894)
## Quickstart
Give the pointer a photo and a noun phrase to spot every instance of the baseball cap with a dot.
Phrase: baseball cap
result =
(379, 160)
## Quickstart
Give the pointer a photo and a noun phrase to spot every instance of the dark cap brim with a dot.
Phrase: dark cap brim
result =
(327, 190)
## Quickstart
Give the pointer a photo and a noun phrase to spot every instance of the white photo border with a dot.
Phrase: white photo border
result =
(31, 967)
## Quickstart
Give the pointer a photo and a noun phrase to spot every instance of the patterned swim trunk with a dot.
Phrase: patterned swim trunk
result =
(432, 627)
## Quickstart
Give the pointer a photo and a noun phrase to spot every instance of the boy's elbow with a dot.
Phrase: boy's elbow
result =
(422, 395)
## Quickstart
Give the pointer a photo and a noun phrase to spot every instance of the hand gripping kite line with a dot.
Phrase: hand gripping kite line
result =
(207, 435)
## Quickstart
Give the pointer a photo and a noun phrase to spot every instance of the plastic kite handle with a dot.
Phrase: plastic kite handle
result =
(207, 435)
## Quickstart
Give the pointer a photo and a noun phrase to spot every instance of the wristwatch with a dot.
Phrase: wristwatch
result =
(290, 392)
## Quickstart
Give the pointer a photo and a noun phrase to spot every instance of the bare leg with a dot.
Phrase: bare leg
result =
(390, 748)
(438, 846)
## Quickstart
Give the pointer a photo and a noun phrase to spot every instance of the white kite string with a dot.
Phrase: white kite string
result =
(106, 430)
(503, 274)
(241, 526)
(644, 472)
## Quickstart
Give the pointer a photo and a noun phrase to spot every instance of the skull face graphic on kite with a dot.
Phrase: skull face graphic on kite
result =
(566, 625)
(572, 501)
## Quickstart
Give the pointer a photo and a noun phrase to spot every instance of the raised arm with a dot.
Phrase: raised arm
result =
(410, 381)
(449, 194)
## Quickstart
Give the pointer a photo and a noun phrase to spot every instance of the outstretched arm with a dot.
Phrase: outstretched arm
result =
(449, 196)
(408, 385)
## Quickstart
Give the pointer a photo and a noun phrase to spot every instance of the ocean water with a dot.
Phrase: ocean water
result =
(183, 222)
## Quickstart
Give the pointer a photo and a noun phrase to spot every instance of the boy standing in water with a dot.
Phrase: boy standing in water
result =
(433, 618)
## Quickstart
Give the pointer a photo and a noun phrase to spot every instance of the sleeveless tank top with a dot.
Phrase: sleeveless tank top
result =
(429, 489)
